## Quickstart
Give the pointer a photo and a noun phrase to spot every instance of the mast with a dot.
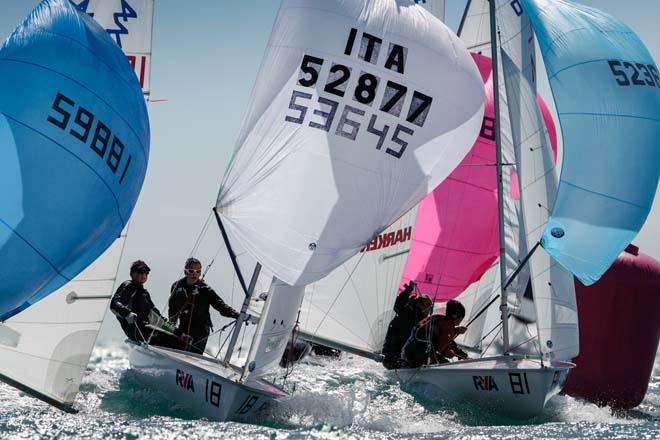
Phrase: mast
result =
(241, 316)
(504, 307)
(248, 290)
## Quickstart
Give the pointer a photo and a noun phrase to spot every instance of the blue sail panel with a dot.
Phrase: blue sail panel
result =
(606, 88)
(74, 146)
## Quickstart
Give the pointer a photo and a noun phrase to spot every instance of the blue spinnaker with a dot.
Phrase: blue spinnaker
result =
(606, 88)
(74, 145)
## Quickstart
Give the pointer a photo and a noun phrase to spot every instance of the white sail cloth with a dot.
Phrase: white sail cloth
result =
(130, 25)
(525, 135)
(46, 347)
(276, 323)
(352, 307)
(359, 110)
(435, 7)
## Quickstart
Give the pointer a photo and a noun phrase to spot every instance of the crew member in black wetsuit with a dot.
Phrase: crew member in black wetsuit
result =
(432, 341)
(132, 305)
(189, 304)
(409, 311)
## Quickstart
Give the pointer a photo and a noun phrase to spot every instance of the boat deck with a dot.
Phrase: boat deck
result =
(500, 363)
(215, 366)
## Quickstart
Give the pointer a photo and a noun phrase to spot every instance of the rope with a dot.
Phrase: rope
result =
(289, 364)
(202, 233)
(492, 340)
(222, 344)
(522, 343)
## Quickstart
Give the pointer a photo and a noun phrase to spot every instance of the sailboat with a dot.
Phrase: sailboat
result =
(346, 131)
(572, 221)
(74, 148)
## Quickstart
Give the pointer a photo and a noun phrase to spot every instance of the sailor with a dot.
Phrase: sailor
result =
(134, 309)
(432, 341)
(409, 311)
(189, 304)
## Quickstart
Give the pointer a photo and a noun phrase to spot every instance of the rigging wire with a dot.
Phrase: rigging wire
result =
(338, 295)
(492, 340)
(201, 235)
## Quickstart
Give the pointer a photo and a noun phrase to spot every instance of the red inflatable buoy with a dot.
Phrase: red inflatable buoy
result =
(619, 320)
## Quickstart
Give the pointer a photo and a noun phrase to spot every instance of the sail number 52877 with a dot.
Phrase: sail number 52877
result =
(352, 116)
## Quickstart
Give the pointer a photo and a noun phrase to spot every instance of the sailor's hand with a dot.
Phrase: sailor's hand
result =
(461, 330)
(130, 318)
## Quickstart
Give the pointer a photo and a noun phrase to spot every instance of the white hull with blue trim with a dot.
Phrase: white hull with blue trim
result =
(506, 386)
(203, 386)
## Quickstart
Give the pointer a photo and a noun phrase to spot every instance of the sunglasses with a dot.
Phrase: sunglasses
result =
(192, 271)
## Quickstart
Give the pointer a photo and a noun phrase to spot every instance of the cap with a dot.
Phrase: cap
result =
(140, 266)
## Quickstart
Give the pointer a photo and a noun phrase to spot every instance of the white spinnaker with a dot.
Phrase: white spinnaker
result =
(351, 308)
(46, 347)
(314, 175)
(276, 323)
(130, 24)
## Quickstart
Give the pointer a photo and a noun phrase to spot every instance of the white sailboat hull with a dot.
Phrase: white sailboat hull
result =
(202, 385)
(506, 386)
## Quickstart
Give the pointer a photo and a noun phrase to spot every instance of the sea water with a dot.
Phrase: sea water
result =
(348, 397)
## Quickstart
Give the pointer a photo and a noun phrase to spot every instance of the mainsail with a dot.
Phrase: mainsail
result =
(352, 307)
(130, 25)
(435, 7)
(347, 129)
(609, 179)
(45, 348)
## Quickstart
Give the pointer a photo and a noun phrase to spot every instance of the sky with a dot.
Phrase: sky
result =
(206, 54)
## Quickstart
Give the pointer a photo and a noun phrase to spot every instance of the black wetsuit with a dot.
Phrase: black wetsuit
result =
(133, 297)
(189, 306)
(407, 316)
(432, 342)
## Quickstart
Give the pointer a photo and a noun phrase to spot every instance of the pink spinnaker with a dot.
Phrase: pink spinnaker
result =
(456, 238)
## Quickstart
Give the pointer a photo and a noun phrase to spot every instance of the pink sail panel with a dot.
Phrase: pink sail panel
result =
(456, 236)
